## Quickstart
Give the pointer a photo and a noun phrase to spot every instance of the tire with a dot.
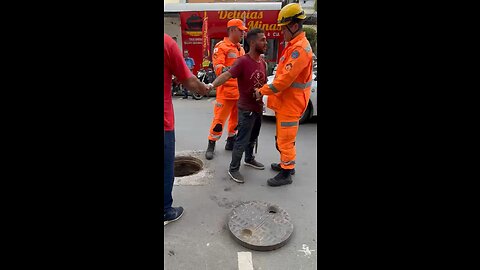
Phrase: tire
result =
(307, 114)
(196, 96)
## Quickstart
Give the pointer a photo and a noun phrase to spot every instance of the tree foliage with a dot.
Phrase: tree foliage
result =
(311, 35)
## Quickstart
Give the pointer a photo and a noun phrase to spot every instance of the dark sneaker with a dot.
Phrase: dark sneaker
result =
(255, 164)
(236, 176)
(230, 143)
(284, 177)
(276, 167)
(210, 150)
(174, 214)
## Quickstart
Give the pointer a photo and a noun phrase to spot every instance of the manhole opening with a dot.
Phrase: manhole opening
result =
(184, 166)
(272, 210)
(247, 232)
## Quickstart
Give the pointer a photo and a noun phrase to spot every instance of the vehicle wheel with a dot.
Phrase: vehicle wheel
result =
(197, 96)
(307, 114)
(179, 90)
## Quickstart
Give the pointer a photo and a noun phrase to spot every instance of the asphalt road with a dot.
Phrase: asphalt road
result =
(200, 239)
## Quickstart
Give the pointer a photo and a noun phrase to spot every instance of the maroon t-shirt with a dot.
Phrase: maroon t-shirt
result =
(251, 74)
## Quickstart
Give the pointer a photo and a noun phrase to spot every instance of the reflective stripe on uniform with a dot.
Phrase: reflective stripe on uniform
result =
(218, 104)
(288, 162)
(232, 55)
(289, 124)
(301, 85)
(215, 136)
(273, 88)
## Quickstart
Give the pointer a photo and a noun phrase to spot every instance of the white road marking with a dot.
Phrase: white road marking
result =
(245, 261)
(305, 249)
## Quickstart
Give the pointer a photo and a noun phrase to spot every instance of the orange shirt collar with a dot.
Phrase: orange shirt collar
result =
(296, 39)
(226, 40)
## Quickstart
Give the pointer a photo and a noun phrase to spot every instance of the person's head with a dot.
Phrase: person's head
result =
(235, 30)
(290, 19)
(257, 41)
(185, 54)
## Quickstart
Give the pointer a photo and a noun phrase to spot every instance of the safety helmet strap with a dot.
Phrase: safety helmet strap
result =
(289, 30)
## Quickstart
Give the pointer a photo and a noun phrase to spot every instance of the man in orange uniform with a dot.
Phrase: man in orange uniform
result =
(289, 93)
(224, 54)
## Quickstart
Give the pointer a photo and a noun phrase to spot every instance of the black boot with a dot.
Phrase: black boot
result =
(210, 149)
(282, 178)
(230, 142)
(276, 167)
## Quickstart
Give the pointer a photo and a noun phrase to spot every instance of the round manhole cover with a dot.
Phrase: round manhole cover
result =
(184, 166)
(260, 225)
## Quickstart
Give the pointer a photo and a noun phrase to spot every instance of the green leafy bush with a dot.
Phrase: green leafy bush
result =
(311, 35)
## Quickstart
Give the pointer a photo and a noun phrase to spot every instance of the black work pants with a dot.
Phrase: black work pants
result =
(249, 124)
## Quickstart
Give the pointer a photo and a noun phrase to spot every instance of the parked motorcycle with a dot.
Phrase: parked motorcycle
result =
(177, 87)
(205, 75)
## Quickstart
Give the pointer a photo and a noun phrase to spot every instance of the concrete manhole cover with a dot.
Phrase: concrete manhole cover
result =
(260, 226)
(187, 166)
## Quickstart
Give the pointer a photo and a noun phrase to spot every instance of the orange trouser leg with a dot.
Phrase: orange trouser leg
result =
(222, 110)
(287, 127)
(233, 119)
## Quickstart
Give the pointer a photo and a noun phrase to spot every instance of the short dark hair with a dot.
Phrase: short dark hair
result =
(253, 33)
(230, 29)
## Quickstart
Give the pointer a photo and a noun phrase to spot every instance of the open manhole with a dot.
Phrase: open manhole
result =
(184, 166)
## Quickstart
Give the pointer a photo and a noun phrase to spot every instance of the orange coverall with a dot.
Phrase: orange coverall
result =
(224, 54)
(288, 95)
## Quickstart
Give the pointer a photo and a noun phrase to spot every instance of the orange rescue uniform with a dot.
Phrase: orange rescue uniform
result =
(224, 54)
(288, 95)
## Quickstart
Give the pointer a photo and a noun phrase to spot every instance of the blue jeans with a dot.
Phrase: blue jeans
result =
(249, 124)
(168, 165)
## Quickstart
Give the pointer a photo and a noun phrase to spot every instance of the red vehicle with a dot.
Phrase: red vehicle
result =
(256, 15)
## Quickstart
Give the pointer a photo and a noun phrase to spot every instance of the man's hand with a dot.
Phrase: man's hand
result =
(258, 95)
(204, 89)
(194, 84)
(209, 87)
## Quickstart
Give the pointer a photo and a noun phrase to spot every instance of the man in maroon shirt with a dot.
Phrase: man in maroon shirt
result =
(174, 65)
(251, 71)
